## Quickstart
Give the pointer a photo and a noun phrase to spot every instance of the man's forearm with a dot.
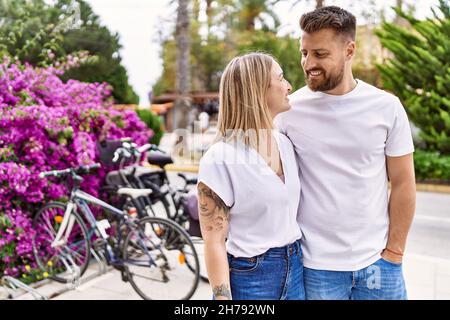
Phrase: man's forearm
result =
(402, 204)
(218, 270)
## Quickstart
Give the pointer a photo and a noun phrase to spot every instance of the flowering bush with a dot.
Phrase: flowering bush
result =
(47, 124)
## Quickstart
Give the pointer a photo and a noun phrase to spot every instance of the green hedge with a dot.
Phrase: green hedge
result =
(153, 122)
(419, 74)
(432, 166)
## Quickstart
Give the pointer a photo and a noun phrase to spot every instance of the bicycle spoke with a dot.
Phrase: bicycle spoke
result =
(170, 268)
(49, 228)
(75, 247)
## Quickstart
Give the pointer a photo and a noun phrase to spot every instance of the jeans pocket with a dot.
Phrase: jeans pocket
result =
(241, 265)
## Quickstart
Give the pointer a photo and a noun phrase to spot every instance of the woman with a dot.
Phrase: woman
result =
(249, 189)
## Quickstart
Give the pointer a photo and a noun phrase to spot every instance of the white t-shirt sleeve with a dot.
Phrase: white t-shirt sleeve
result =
(399, 140)
(213, 172)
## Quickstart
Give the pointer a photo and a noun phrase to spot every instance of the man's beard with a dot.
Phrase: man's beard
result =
(329, 82)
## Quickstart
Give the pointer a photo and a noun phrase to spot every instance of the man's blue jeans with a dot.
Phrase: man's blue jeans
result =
(382, 280)
(276, 274)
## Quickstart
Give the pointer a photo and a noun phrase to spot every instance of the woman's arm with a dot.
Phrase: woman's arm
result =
(214, 217)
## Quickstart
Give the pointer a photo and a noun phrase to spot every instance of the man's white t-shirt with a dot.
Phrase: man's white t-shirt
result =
(263, 211)
(341, 143)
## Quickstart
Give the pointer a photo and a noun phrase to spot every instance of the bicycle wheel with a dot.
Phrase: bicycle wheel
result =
(182, 218)
(161, 208)
(60, 262)
(199, 245)
(154, 254)
(200, 250)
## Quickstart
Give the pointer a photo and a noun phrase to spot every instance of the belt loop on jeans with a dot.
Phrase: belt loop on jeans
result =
(296, 246)
(293, 248)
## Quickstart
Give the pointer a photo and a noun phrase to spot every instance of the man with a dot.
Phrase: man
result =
(350, 139)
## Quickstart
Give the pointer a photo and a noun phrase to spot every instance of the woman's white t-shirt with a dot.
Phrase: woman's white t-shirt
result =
(263, 208)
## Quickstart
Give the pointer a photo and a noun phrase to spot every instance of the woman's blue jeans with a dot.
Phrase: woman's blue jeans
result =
(276, 274)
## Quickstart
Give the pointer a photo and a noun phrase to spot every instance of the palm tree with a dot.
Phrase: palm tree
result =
(182, 37)
(209, 14)
(251, 11)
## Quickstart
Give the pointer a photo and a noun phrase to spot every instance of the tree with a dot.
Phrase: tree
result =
(251, 11)
(39, 33)
(419, 72)
(402, 5)
(182, 37)
(208, 54)
(209, 14)
(98, 41)
(166, 82)
(27, 32)
(211, 53)
(284, 49)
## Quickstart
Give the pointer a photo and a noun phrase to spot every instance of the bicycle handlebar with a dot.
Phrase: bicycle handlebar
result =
(76, 170)
(187, 180)
(121, 152)
(129, 149)
(150, 147)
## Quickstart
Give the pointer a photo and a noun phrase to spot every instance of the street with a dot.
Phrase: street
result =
(430, 231)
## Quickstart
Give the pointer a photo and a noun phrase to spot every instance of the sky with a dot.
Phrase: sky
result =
(137, 22)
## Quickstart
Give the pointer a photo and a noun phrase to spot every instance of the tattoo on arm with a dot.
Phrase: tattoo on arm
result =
(212, 209)
(222, 291)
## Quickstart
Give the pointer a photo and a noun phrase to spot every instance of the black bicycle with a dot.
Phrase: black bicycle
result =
(151, 252)
(178, 203)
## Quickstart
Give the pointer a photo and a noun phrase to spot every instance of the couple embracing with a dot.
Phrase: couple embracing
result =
(293, 196)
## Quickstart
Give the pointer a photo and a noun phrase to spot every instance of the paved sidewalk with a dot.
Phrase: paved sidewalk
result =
(108, 286)
(111, 287)
(427, 278)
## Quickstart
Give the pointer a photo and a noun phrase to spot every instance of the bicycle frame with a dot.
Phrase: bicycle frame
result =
(80, 199)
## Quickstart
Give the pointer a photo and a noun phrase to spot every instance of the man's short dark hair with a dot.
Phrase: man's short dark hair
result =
(330, 17)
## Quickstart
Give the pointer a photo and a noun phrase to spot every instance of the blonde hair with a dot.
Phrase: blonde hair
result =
(243, 98)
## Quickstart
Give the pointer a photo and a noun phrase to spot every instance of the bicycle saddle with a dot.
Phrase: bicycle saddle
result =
(159, 160)
(134, 193)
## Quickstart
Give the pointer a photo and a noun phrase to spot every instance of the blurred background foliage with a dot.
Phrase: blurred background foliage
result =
(403, 55)
(39, 33)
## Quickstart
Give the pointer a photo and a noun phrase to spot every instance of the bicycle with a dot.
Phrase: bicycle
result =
(176, 203)
(149, 252)
(127, 156)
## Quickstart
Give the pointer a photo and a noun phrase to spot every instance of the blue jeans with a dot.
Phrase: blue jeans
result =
(276, 274)
(382, 280)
